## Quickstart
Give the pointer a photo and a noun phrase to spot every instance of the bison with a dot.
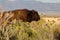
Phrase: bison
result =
(24, 14)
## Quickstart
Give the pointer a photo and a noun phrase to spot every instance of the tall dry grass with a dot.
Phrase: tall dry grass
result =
(4, 20)
(18, 30)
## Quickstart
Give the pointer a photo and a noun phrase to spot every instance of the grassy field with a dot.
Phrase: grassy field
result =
(44, 29)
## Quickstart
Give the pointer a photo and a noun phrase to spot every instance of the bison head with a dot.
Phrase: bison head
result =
(33, 16)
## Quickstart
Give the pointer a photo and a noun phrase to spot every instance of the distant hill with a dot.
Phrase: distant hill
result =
(37, 5)
(50, 14)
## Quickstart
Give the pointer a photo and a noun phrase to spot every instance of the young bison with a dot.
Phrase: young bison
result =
(25, 15)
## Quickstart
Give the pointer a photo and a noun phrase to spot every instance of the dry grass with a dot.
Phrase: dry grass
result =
(18, 30)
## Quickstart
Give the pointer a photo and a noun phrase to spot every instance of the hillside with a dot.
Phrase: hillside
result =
(37, 5)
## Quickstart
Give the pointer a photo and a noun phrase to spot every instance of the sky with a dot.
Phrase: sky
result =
(29, 4)
(49, 1)
(46, 1)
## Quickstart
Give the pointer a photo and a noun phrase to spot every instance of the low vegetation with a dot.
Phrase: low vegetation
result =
(18, 30)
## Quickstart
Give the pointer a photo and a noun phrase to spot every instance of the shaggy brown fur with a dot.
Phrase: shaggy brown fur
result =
(25, 15)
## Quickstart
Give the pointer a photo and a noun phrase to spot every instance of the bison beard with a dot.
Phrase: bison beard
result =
(25, 15)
